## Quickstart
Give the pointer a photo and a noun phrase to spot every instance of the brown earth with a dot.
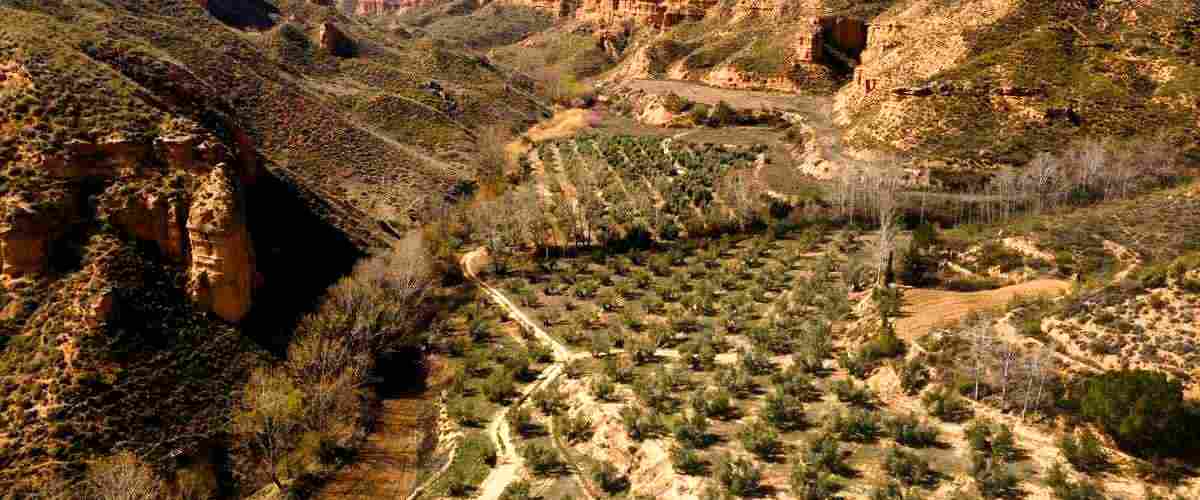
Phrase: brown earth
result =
(926, 309)
(388, 463)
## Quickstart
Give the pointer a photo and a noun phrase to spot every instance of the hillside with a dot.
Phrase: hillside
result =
(963, 85)
(181, 180)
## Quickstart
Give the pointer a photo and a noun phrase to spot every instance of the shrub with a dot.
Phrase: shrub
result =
(640, 424)
(824, 453)
(738, 476)
(850, 393)
(994, 440)
(609, 480)
(783, 410)
(761, 440)
(856, 365)
(692, 431)
(517, 490)
(795, 382)
(1084, 452)
(813, 483)
(1141, 410)
(466, 412)
(908, 431)
(687, 461)
(857, 425)
(575, 429)
(913, 374)
(603, 388)
(541, 458)
(947, 405)
(993, 476)
(498, 387)
(720, 405)
(1065, 489)
(908, 468)
(549, 401)
(892, 491)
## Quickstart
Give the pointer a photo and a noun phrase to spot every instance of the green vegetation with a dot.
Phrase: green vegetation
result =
(1142, 410)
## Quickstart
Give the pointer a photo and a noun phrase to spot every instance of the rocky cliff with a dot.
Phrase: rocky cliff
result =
(925, 77)
(382, 7)
(148, 188)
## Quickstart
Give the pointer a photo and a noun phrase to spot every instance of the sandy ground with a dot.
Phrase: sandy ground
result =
(387, 464)
(926, 309)
(741, 99)
(510, 464)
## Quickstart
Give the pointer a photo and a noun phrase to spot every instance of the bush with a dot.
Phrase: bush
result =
(466, 412)
(603, 389)
(738, 476)
(858, 425)
(498, 387)
(994, 440)
(1084, 452)
(541, 458)
(692, 431)
(609, 480)
(517, 490)
(824, 453)
(761, 440)
(575, 429)
(783, 410)
(908, 431)
(720, 405)
(813, 483)
(993, 476)
(892, 491)
(1142, 410)
(947, 405)
(908, 468)
(913, 374)
(641, 425)
(1065, 489)
(853, 394)
(687, 461)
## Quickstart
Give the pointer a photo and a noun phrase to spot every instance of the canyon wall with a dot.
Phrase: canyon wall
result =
(180, 192)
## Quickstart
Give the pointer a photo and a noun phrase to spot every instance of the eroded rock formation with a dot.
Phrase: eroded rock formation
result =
(182, 192)
(380, 7)
(334, 41)
(221, 276)
(28, 229)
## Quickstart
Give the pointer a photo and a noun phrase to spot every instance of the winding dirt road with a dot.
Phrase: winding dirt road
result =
(509, 460)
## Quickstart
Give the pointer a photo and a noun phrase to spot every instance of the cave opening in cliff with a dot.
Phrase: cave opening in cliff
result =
(845, 39)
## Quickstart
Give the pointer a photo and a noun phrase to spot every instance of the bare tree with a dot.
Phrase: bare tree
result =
(268, 418)
(887, 211)
(1039, 367)
(122, 477)
(981, 343)
(1008, 357)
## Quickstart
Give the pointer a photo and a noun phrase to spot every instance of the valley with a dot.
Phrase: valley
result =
(548, 249)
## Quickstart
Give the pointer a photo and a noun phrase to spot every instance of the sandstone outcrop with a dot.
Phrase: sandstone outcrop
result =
(376, 7)
(382, 7)
(334, 41)
(28, 230)
(181, 192)
(221, 277)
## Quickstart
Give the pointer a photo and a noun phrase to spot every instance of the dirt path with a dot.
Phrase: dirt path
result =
(509, 461)
(388, 462)
(926, 309)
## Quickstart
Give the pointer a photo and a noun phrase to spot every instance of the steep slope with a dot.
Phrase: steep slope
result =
(180, 180)
(973, 83)
(998, 81)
